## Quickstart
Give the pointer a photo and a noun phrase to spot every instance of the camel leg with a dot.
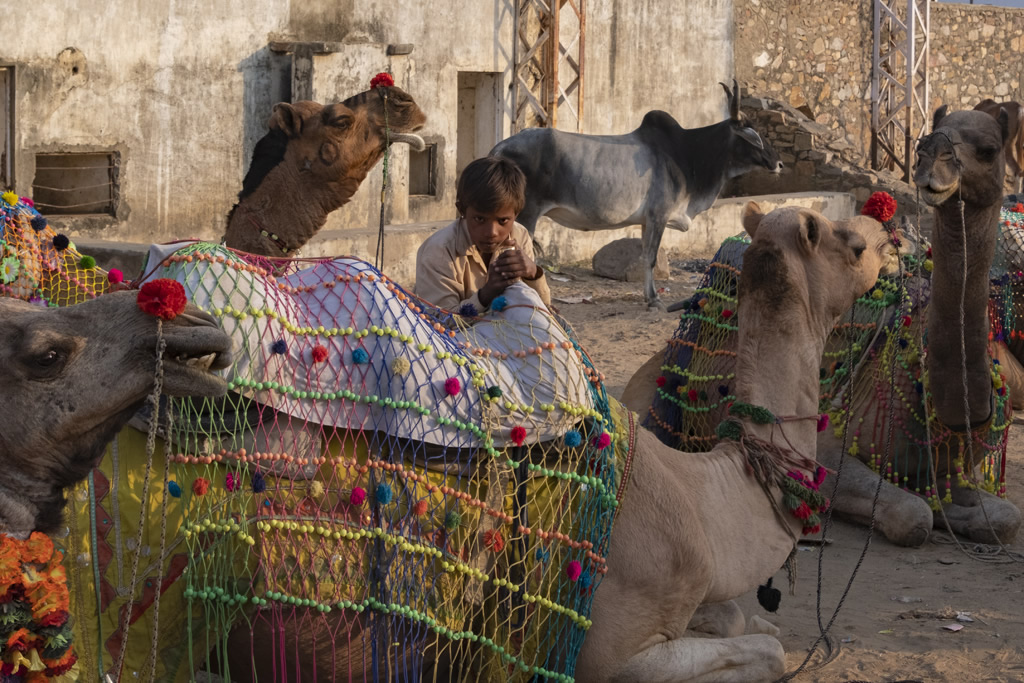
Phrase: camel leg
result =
(653, 230)
(744, 659)
(717, 619)
(903, 518)
(980, 516)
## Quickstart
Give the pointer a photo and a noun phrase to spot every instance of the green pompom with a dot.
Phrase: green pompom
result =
(494, 391)
(87, 263)
(729, 429)
(452, 520)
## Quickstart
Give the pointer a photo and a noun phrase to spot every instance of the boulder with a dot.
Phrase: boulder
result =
(620, 260)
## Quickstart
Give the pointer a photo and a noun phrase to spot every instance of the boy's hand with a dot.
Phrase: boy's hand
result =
(505, 269)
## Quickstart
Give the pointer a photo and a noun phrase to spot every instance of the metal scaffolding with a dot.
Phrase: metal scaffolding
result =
(548, 53)
(899, 82)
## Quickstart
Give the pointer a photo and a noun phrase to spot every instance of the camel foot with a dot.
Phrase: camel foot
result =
(763, 626)
(717, 619)
(745, 659)
(981, 517)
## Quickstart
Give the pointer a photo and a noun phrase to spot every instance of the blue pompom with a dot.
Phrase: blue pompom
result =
(585, 580)
(573, 438)
(468, 309)
(174, 489)
(259, 484)
(903, 343)
(723, 390)
(499, 303)
(38, 223)
(542, 555)
(360, 356)
(61, 242)
(280, 346)
(383, 494)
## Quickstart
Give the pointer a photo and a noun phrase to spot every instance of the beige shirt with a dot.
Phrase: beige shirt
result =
(450, 269)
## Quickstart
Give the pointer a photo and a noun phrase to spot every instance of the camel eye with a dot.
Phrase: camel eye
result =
(49, 359)
(858, 251)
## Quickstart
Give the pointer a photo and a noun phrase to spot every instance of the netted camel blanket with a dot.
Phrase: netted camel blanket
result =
(878, 336)
(445, 495)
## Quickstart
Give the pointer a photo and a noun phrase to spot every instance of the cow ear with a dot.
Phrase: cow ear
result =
(939, 114)
(810, 232)
(286, 119)
(1004, 123)
(751, 136)
(752, 218)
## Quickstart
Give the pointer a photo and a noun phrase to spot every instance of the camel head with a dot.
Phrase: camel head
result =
(72, 377)
(798, 259)
(963, 156)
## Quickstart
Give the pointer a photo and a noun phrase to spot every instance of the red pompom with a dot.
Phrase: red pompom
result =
(660, 381)
(518, 435)
(881, 206)
(357, 496)
(692, 394)
(494, 540)
(319, 353)
(727, 314)
(163, 298)
(200, 486)
(383, 78)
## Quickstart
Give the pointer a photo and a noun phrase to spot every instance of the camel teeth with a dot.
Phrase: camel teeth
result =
(202, 362)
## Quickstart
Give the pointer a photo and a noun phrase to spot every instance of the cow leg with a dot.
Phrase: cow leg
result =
(528, 218)
(653, 230)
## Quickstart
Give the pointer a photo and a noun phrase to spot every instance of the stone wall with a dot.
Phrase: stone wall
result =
(816, 56)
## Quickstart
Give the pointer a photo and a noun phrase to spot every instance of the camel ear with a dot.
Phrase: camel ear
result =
(810, 232)
(939, 114)
(286, 119)
(752, 218)
(1004, 123)
(337, 116)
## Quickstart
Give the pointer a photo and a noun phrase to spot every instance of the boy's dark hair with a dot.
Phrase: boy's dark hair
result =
(492, 183)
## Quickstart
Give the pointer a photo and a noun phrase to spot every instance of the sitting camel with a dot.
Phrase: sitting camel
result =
(311, 162)
(81, 372)
(961, 160)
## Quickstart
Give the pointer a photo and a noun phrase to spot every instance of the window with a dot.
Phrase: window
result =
(6, 127)
(423, 171)
(83, 183)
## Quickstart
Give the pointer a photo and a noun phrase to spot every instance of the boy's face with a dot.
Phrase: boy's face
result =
(488, 230)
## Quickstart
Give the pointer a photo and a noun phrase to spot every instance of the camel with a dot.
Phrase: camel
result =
(974, 141)
(72, 377)
(311, 162)
(1014, 147)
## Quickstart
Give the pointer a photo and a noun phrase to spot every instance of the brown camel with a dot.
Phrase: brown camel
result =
(973, 141)
(72, 377)
(674, 551)
(1014, 139)
(312, 162)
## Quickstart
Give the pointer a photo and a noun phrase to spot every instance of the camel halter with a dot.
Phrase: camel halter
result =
(378, 256)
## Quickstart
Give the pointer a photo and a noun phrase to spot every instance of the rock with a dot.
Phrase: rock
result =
(620, 260)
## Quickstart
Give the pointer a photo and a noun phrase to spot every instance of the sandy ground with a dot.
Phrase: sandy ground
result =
(891, 625)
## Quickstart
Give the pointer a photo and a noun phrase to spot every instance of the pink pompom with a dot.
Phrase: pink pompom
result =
(603, 441)
(357, 496)
(823, 422)
(115, 276)
(452, 386)
(573, 570)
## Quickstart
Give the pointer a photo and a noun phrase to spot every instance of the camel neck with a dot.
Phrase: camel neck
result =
(971, 233)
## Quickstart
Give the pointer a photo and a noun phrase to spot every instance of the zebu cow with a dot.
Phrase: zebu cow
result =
(1014, 150)
(659, 175)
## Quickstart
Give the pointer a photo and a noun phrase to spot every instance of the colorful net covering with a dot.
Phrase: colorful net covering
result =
(39, 265)
(389, 490)
(882, 336)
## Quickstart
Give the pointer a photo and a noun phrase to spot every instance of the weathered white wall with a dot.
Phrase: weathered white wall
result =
(183, 89)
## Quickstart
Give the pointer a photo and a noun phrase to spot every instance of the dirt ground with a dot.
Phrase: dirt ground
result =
(891, 626)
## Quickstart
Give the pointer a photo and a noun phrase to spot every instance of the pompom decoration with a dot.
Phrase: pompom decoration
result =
(280, 347)
(400, 366)
(61, 242)
(259, 484)
(573, 438)
(316, 488)
(499, 303)
(115, 276)
(823, 422)
(38, 223)
(585, 580)
(881, 206)
(906, 321)
(357, 496)
(87, 263)
(360, 357)
(28, 201)
(420, 508)
(692, 394)
(174, 489)
(494, 391)
(1018, 208)
(200, 486)
(727, 314)
(231, 482)
(603, 440)
(319, 353)
(468, 310)
(660, 381)
(542, 555)
(452, 386)
(452, 520)
(162, 298)
(383, 494)
(518, 435)
(573, 570)
(10, 197)
(382, 79)
(493, 540)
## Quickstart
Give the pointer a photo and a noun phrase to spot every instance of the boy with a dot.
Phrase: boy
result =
(468, 264)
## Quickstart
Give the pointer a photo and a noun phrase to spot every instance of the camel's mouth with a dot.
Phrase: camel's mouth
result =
(192, 356)
(934, 197)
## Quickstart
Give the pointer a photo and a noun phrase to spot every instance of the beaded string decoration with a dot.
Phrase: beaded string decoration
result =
(694, 391)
